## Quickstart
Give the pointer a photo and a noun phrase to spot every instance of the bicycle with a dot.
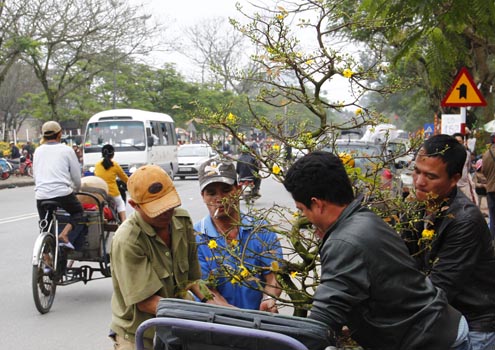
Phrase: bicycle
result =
(53, 264)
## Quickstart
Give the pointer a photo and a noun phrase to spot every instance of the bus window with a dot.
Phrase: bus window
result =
(156, 133)
(172, 139)
(123, 135)
(164, 131)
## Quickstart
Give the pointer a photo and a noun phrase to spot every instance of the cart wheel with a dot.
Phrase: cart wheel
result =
(44, 280)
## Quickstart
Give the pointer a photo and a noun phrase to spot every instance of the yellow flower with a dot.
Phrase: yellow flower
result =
(235, 279)
(276, 169)
(231, 118)
(212, 244)
(274, 266)
(347, 73)
(293, 274)
(296, 214)
(234, 242)
(244, 271)
(308, 62)
(358, 111)
(427, 234)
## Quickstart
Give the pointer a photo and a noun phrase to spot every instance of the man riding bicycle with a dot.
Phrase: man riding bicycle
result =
(56, 170)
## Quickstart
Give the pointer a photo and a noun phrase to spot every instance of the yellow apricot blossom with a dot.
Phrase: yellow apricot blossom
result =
(275, 266)
(235, 279)
(212, 244)
(244, 271)
(276, 169)
(347, 73)
(427, 234)
(231, 118)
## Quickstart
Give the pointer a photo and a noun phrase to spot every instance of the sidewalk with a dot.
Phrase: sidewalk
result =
(16, 181)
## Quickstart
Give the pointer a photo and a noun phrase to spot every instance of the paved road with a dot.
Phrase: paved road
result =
(81, 313)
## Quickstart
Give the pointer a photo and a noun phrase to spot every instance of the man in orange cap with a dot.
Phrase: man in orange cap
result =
(153, 255)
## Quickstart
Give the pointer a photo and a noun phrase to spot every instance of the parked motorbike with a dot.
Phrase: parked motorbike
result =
(6, 169)
(247, 190)
(25, 167)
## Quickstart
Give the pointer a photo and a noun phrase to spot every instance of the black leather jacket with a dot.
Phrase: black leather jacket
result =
(371, 284)
(460, 260)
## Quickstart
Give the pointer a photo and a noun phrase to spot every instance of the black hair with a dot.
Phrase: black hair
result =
(107, 152)
(449, 150)
(322, 175)
(52, 136)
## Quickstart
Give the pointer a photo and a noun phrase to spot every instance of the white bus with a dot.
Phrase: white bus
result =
(139, 137)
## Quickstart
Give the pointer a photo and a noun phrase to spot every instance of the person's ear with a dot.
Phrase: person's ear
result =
(317, 203)
(132, 203)
(455, 178)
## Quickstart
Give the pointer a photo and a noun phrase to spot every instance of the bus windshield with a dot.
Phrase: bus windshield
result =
(124, 135)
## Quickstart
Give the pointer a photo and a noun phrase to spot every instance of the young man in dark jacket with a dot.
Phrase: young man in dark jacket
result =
(369, 283)
(452, 244)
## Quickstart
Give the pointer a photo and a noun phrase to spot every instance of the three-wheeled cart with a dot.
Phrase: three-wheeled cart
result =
(55, 265)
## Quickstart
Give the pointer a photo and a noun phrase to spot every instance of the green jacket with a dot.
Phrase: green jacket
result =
(142, 265)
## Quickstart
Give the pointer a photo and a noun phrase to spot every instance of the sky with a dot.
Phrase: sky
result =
(188, 11)
(179, 14)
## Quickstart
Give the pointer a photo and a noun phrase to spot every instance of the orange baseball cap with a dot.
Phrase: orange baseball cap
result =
(152, 188)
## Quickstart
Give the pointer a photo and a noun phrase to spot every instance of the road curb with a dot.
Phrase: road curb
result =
(12, 182)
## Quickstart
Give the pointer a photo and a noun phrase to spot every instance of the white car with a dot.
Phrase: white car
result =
(191, 156)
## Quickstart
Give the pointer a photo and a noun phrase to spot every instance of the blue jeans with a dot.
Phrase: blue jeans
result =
(462, 342)
(482, 340)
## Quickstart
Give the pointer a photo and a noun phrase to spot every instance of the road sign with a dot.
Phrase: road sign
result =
(428, 129)
(452, 123)
(463, 92)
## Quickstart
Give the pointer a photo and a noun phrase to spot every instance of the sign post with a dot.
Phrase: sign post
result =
(463, 93)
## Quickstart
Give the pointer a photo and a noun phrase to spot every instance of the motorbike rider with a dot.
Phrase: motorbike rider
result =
(248, 166)
(15, 155)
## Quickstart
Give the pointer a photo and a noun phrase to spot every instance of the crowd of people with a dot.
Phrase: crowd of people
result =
(430, 286)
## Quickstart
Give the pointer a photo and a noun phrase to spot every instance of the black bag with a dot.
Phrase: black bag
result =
(313, 334)
(480, 191)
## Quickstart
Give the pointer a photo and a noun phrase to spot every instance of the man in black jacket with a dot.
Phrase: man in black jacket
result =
(368, 283)
(452, 244)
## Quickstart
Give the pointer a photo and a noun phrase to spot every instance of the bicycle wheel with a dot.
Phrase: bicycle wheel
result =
(44, 276)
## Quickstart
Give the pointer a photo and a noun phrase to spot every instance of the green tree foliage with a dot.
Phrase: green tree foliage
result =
(73, 41)
(429, 42)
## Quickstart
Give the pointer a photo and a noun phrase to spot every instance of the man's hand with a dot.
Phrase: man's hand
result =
(268, 304)
(218, 299)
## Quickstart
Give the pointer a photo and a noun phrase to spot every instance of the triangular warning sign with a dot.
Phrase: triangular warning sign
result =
(463, 92)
